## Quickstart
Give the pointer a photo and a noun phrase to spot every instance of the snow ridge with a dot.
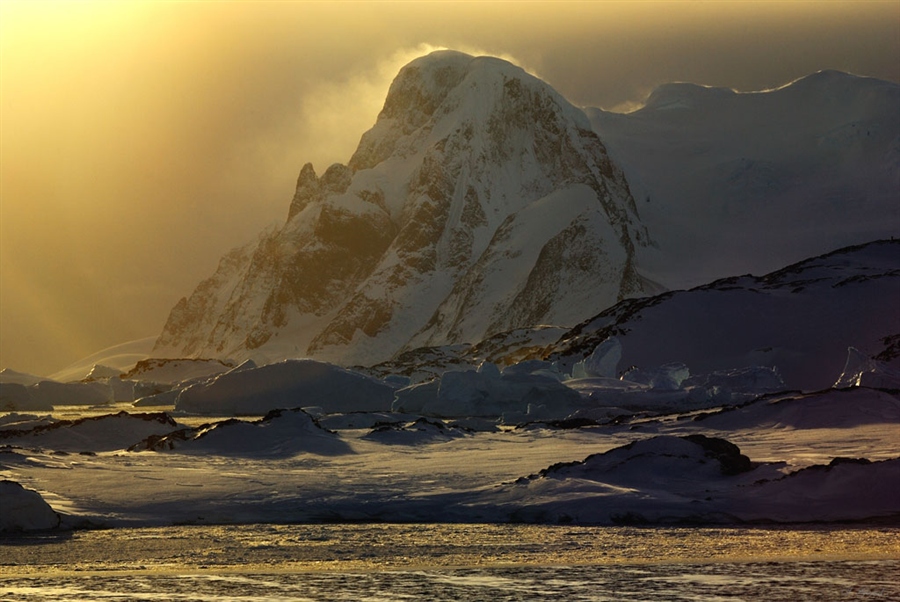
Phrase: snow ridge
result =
(800, 319)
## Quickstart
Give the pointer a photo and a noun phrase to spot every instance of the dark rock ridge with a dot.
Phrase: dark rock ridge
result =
(480, 201)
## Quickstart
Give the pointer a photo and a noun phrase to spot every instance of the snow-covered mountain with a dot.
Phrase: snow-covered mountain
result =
(731, 183)
(480, 201)
(800, 319)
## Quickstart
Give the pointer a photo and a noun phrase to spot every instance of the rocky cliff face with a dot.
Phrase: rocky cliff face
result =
(480, 201)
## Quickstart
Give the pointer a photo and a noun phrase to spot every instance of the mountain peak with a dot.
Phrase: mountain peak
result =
(422, 85)
(682, 95)
(426, 84)
(447, 90)
(480, 200)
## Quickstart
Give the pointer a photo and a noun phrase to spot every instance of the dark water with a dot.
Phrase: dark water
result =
(773, 581)
(380, 562)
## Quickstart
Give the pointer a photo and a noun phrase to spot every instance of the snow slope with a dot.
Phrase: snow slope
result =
(831, 456)
(696, 479)
(278, 433)
(800, 319)
(103, 433)
(729, 183)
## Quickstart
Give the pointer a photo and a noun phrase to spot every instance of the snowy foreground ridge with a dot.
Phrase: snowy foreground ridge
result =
(585, 438)
(288, 467)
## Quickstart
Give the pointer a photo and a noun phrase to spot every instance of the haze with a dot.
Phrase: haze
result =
(142, 140)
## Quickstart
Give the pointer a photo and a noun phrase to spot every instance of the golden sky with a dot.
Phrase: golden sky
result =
(139, 141)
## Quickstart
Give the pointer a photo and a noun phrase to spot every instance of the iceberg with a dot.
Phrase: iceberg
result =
(487, 392)
(74, 393)
(15, 397)
(24, 509)
(603, 362)
(862, 371)
(286, 384)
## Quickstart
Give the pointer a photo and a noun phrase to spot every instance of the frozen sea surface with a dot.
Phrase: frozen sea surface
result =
(453, 562)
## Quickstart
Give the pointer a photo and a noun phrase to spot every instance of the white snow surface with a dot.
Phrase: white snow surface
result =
(799, 320)
(730, 183)
(827, 456)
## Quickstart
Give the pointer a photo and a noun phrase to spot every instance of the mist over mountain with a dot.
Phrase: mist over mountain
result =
(480, 201)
